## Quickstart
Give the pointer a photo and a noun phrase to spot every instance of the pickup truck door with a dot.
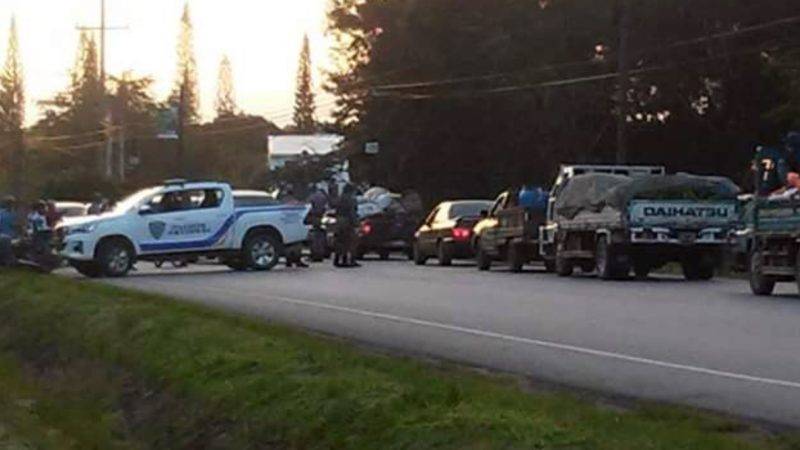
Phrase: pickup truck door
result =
(491, 234)
(185, 220)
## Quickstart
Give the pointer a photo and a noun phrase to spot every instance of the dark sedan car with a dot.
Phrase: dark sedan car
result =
(447, 232)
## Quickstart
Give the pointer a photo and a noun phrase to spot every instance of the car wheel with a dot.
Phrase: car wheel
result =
(444, 254)
(564, 266)
(419, 258)
(261, 252)
(115, 258)
(760, 284)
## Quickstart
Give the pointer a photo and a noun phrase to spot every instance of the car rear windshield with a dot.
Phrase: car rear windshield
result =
(468, 209)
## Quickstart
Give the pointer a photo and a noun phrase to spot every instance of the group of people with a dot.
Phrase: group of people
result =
(777, 169)
(345, 206)
(32, 226)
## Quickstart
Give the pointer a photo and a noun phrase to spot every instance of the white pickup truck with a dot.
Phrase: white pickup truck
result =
(180, 219)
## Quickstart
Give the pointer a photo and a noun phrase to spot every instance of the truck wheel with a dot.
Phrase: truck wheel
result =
(115, 258)
(261, 252)
(564, 267)
(605, 260)
(697, 269)
(760, 284)
(88, 269)
(515, 258)
(444, 254)
(419, 258)
(587, 266)
(641, 269)
(484, 260)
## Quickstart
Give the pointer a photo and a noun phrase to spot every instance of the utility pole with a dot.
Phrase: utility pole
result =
(181, 157)
(106, 107)
(623, 79)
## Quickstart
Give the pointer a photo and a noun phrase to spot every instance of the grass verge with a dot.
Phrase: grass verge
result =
(120, 369)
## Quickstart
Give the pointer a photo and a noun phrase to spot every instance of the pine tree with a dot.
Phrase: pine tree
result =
(304, 102)
(12, 111)
(87, 90)
(186, 76)
(12, 89)
(226, 98)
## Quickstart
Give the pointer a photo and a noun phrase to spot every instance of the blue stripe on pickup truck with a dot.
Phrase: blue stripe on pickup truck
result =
(215, 238)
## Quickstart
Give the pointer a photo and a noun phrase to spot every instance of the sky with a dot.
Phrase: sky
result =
(261, 37)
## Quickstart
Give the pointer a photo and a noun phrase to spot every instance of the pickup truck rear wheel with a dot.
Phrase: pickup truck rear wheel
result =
(697, 269)
(564, 266)
(760, 284)
(515, 258)
(261, 252)
(115, 258)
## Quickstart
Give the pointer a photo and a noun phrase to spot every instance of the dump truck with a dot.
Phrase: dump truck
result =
(614, 219)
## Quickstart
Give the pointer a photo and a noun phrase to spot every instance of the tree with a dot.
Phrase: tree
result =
(186, 79)
(12, 110)
(226, 98)
(304, 102)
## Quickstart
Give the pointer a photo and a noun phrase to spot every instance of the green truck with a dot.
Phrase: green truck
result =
(772, 238)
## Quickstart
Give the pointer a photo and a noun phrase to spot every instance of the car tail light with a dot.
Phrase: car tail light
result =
(461, 234)
(366, 228)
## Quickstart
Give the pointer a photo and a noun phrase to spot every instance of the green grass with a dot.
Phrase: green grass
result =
(119, 369)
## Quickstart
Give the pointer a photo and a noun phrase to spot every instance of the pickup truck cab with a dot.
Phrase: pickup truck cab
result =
(179, 219)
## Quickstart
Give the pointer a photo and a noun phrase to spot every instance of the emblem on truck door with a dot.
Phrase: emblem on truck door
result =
(157, 229)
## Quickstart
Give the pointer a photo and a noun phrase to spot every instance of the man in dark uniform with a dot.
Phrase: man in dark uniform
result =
(346, 223)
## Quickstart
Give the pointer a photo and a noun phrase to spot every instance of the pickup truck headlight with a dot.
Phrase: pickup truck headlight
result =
(83, 228)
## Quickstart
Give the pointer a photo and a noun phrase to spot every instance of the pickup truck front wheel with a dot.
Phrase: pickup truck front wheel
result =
(115, 258)
(261, 252)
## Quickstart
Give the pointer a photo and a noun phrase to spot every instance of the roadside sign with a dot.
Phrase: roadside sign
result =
(168, 123)
(372, 148)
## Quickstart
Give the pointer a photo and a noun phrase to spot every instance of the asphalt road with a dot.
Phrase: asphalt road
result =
(707, 344)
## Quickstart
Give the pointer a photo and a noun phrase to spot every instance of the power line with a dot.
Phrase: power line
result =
(558, 83)
(677, 44)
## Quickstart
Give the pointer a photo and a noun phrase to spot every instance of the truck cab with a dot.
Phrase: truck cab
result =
(179, 219)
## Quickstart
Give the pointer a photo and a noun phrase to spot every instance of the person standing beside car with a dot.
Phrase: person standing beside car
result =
(346, 223)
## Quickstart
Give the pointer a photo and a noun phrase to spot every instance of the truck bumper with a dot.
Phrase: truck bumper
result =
(76, 249)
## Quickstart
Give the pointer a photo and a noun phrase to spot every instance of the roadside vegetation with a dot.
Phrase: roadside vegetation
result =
(89, 366)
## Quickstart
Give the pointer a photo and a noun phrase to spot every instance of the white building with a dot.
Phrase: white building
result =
(284, 148)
